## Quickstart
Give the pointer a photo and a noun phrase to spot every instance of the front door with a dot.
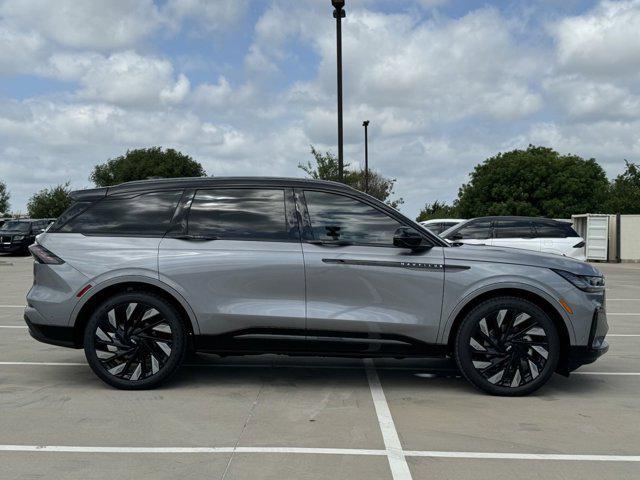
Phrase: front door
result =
(237, 260)
(357, 281)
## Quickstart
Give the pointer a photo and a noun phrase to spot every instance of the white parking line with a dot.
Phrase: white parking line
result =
(395, 455)
(320, 451)
(12, 306)
(622, 314)
(525, 456)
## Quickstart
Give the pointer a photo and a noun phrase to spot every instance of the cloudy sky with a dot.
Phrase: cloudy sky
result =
(245, 86)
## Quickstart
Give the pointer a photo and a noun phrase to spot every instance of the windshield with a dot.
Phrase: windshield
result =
(16, 225)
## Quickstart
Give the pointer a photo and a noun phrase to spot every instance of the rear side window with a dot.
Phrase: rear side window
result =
(340, 218)
(474, 230)
(148, 214)
(240, 214)
(513, 229)
(68, 214)
(554, 229)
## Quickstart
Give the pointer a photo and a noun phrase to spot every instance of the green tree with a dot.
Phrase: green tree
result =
(4, 199)
(326, 168)
(437, 209)
(145, 163)
(537, 181)
(50, 202)
(624, 196)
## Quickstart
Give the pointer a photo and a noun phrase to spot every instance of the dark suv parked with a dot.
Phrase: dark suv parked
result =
(140, 273)
(17, 235)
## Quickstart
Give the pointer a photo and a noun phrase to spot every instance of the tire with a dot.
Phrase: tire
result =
(135, 341)
(501, 345)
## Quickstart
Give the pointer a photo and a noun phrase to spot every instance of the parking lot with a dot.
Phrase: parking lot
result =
(279, 417)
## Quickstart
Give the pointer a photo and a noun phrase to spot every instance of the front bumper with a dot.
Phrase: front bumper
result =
(12, 248)
(51, 334)
(597, 346)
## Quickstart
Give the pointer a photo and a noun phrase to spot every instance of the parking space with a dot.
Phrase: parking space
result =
(278, 417)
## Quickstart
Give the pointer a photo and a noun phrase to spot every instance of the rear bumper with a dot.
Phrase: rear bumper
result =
(51, 334)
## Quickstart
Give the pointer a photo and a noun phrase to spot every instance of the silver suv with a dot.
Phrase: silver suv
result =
(142, 273)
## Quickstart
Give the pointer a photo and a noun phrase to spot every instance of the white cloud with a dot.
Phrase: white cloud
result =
(96, 24)
(20, 51)
(124, 78)
(585, 98)
(604, 41)
(209, 16)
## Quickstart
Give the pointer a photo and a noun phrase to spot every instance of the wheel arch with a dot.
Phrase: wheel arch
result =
(83, 310)
(536, 299)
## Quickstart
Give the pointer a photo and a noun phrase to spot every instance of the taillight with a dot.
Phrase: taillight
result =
(579, 245)
(42, 255)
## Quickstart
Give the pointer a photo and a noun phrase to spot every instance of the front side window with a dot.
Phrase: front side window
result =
(240, 214)
(340, 218)
(147, 214)
(513, 229)
(476, 230)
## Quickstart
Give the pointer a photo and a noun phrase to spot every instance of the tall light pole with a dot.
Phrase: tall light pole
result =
(365, 124)
(339, 14)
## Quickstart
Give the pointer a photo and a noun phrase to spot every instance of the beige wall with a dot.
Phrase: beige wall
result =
(630, 238)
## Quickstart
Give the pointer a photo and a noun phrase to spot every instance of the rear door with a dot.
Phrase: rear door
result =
(235, 256)
(515, 233)
(358, 283)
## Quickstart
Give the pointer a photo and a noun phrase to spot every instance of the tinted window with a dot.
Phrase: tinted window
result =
(69, 213)
(341, 218)
(240, 214)
(554, 229)
(474, 230)
(513, 229)
(147, 214)
(13, 225)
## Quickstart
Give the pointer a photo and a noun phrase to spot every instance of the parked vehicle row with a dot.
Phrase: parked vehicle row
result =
(529, 233)
(17, 235)
(140, 273)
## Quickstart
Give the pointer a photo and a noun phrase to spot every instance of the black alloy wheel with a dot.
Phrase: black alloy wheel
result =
(507, 346)
(135, 341)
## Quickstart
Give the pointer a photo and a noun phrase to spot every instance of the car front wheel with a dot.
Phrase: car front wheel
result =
(507, 346)
(135, 340)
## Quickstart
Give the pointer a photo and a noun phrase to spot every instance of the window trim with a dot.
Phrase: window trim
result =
(306, 218)
(289, 207)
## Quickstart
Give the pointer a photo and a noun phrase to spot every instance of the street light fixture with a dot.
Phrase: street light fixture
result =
(365, 124)
(339, 14)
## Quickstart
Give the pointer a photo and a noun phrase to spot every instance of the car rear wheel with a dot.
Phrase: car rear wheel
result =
(135, 340)
(507, 346)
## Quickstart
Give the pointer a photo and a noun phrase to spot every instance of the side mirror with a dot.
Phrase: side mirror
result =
(405, 237)
(455, 236)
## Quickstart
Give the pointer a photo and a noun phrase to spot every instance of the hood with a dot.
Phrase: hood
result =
(517, 256)
(12, 232)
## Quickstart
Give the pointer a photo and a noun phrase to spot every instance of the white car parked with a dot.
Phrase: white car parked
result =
(439, 225)
(529, 233)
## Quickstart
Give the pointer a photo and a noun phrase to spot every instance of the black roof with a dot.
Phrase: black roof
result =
(512, 217)
(204, 182)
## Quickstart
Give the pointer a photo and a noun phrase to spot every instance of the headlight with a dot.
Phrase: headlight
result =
(17, 238)
(583, 282)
